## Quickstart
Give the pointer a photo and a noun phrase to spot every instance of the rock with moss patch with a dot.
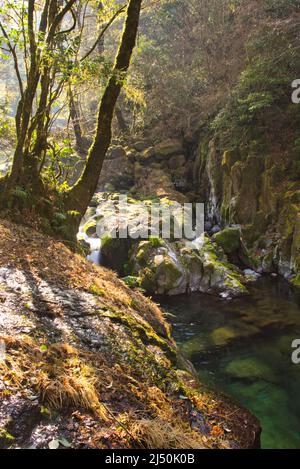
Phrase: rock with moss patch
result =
(229, 239)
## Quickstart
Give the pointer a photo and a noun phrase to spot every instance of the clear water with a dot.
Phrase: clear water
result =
(243, 347)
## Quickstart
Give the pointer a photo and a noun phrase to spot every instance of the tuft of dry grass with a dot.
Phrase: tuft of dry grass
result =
(65, 381)
(162, 434)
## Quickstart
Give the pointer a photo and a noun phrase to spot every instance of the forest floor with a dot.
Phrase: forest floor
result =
(90, 363)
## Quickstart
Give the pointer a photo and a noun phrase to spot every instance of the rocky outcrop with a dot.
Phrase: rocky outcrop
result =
(117, 170)
(88, 363)
(256, 193)
(166, 266)
(160, 170)
(183, 267)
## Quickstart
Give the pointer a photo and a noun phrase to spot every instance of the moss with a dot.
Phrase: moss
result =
(148, 280)
(252, 232)
(293, 197)
(229, 240)
(145, 249)
(156, 242)
(97, 290)
(4, 434)
(142, 330)
(171, 273)
(230, 157)
(132, 281)
(90, 227)
(296, 281)
(233, 282)
(115, 253)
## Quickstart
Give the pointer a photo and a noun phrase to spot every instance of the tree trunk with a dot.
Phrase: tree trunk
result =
(79, 196)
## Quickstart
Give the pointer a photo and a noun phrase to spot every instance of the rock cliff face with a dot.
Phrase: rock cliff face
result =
(260, 193)
(88, 363)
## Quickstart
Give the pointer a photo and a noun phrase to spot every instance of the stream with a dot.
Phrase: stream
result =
(243, 348)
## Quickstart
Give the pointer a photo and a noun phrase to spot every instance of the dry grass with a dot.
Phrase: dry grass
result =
(66, 381)
(30, 250)
(161, 434)
(16, 369)
(61, 378)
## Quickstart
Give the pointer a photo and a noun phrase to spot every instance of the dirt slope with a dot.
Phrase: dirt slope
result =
(90, 364)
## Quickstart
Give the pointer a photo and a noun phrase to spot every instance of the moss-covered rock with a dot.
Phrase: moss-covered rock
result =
(296, 281)
(229, 239)
(218, 273)
(181, 267)
(90, 228)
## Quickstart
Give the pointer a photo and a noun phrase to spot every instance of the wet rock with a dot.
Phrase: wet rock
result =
(215, 229)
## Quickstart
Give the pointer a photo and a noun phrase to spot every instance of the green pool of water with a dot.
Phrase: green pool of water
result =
(244, 347)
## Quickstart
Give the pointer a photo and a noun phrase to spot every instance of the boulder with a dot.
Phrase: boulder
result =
(173, 268)
(114, 253)
(169, 148)
(116, 152)
(229, 239)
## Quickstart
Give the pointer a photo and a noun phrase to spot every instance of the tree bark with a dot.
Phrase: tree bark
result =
(79, 196)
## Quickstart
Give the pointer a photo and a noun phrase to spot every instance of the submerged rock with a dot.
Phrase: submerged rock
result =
(251, 369)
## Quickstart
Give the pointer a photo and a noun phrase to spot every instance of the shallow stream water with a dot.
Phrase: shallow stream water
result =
(243, 347)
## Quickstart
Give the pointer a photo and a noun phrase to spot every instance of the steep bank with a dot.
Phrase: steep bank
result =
(91, 364)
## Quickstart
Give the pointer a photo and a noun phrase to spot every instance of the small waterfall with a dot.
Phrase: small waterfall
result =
(95, 246)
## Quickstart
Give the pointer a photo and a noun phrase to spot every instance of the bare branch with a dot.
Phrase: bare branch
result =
(103, 32)
(12, 50)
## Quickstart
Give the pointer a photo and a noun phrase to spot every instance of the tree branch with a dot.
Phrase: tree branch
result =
(12, 50)
(103, 32)
(59, 17)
